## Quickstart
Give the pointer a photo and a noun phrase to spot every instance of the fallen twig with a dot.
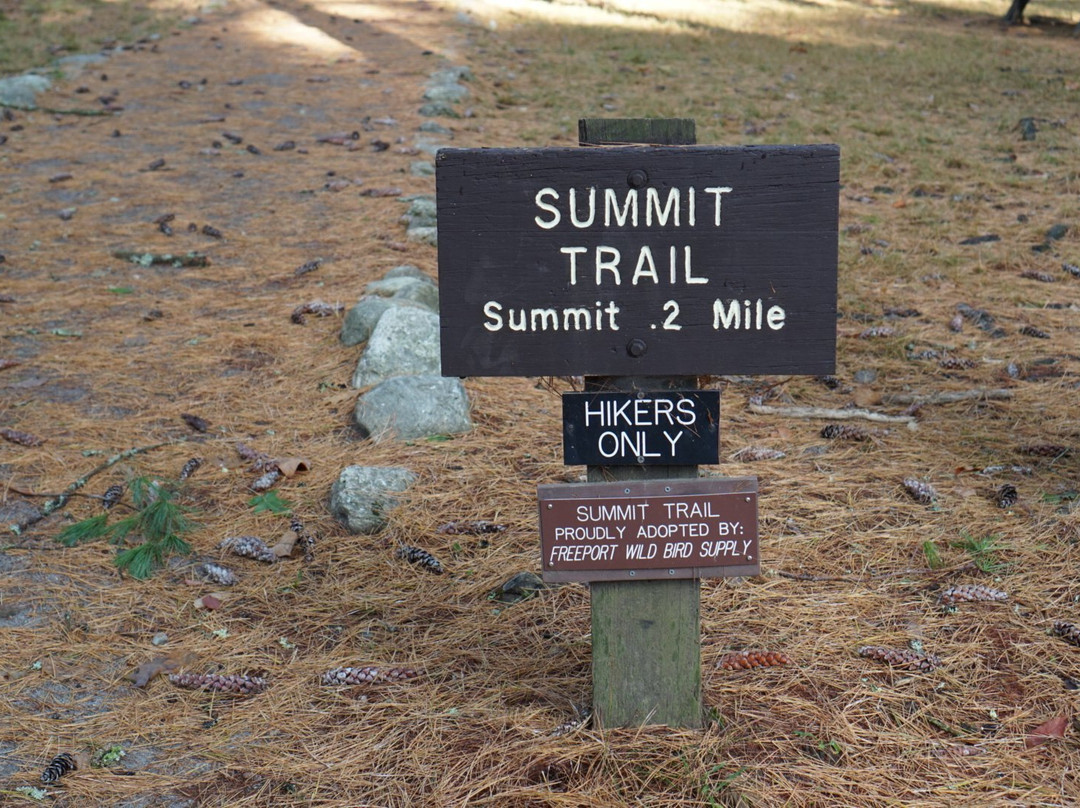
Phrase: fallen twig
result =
(61, 499)
(802, 576)
(54, 111)
(947, 398)
(833, 414)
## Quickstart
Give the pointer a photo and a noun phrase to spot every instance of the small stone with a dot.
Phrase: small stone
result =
(438, 109)
(159, 639)
(866, 376)
(422, 168)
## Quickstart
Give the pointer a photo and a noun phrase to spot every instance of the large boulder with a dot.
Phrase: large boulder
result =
(405, 342)
(408, 407)
(362, 496)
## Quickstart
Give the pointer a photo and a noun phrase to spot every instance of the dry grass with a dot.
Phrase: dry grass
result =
(925, 101)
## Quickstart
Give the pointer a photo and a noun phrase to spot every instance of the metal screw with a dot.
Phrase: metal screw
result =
(549, 506)
(667, 489)
(748, 499)
(641, 460)
(636, 347)
(671, 572)
(637, 178)
(632, 573)
(626, 490)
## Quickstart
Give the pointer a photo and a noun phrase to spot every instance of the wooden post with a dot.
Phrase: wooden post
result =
(646, 635)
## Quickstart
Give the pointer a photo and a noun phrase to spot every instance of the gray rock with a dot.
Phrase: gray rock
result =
(435, 128)
(428, 146)
(446, 93)
(388, 287)
(422, 293)
(866, 376)
(362, 496)
(405, 342)
(423, 235)
(438, 109)
(360, 320)
(518, 587)
(451, 75)
(407, 271)
(74, 64)
(408, 407)
(422, 168)
(22, 91)
(422, 212)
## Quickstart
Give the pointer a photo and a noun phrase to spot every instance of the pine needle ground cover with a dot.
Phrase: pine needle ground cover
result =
(912, 639)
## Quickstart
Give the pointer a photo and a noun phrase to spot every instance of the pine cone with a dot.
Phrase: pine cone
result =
(1006, 496)
(758, 453)
(1034, 275)
(844, 432)
(414, 555)
(317, 307)
(367, 675)
(473, 528)
(303, 538)
(970, 592)
(920, 491)
(58, 767)
(567, 727)
(111, 496)
(1072, 269)
(901, 658)
(267, 480)
(1045, 450)
(956, 323)
(744, 660)
(830, 382)
(1067, 632)
(249, 547)
(877, 331)
(1032, 331)
(21, 438)
(237, 684)
(956, 363)
(216, 574)
(190, 468)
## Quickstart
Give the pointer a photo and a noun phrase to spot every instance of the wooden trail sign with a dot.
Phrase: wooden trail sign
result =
(638, 260)
(661, 428)
(640, 268)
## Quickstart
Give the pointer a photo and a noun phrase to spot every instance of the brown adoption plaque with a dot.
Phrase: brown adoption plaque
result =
(635, 530)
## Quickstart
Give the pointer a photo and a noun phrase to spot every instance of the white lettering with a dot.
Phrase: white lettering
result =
(554, 211)
(716, 192)
(573, 209)
(671, 207)
(573, 252)
(491, 311)
(629, 208)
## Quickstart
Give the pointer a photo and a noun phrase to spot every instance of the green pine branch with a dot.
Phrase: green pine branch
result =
(158, 519)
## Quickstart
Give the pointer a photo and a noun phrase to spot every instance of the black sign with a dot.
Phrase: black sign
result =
(628, 531)
(638, 260)
(641, 429)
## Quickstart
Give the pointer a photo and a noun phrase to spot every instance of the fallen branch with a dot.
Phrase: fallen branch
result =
(947, 398)
(192, 259)
(54, 111)
(61, 499)
(833, 414)
(802, 576)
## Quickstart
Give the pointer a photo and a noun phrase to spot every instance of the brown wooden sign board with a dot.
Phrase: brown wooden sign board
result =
(648, 529)
(637, 260)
